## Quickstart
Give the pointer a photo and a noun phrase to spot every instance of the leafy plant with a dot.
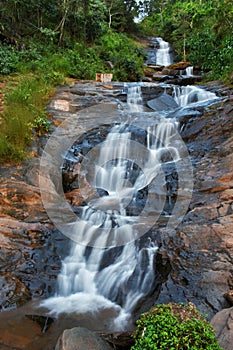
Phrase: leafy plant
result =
(126, 57)
(40, 124)
(174, 327)
(8, 59)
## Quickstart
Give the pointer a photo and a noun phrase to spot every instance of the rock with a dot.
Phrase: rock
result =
(170, 72)
(147, 79)
(29, 262)
(79, 339)
(229, 296)
(222, 323)
(119, 340)
(77, 196)
(200, 247)
(13, 292)
(184, 114)
(160, 77)
(179, 65)
(163, 103)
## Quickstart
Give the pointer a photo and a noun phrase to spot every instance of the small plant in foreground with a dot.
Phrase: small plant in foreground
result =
(174, 327)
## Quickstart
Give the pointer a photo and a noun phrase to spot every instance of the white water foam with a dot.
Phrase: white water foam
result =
(134, 98)
(94, 279)
(188, 95)
(163, 56)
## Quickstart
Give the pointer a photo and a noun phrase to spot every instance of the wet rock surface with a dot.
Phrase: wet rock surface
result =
(199, 251)
(80, 338)
(201, 248)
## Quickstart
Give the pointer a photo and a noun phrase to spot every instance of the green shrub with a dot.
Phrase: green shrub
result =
(126, 57)
(8, 59)
(84, 62)
(174, 327)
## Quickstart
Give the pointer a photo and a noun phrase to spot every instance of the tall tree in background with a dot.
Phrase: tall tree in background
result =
(81, 19)
(121, 14)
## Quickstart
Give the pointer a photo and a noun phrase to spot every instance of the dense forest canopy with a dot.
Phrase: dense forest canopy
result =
(203, 28)
(74, 19)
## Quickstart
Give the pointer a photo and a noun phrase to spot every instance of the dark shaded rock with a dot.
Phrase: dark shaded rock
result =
(170, 72)
(13, 292)
(222, 323)
(163, 102)
(151, 91)
(229, 296)
(79, 339)
(43, 321)
(160, 77)
(185, 114)
(119, 340)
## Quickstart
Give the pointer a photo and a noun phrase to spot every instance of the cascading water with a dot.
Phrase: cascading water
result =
(189, 71)
(95, 278)
(159, 52)
(163, 56)
(134, 98)
(187, 95)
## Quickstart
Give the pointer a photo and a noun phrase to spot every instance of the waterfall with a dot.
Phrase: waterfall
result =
(189, 71)
(163, 56)
(134, 98)
(159, 52)
(117, 277)
(187, 95)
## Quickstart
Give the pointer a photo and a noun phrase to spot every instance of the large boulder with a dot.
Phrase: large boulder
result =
(163, 102)
(222, 323)
(80, 338)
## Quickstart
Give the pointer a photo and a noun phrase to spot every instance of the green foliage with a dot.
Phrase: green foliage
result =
(206, 26)
(84, 62)
(174, 327)
(8, 59)
(40, 124)
(25, 112)
(45, 66)
(126, 57)
(64, 20)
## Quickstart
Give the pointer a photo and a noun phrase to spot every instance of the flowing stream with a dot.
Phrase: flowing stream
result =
(89, 279)
(115, 268)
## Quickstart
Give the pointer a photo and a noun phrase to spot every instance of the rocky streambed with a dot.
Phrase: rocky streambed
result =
(196, 257)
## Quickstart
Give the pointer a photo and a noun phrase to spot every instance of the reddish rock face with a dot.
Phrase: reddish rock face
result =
(25, 231)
